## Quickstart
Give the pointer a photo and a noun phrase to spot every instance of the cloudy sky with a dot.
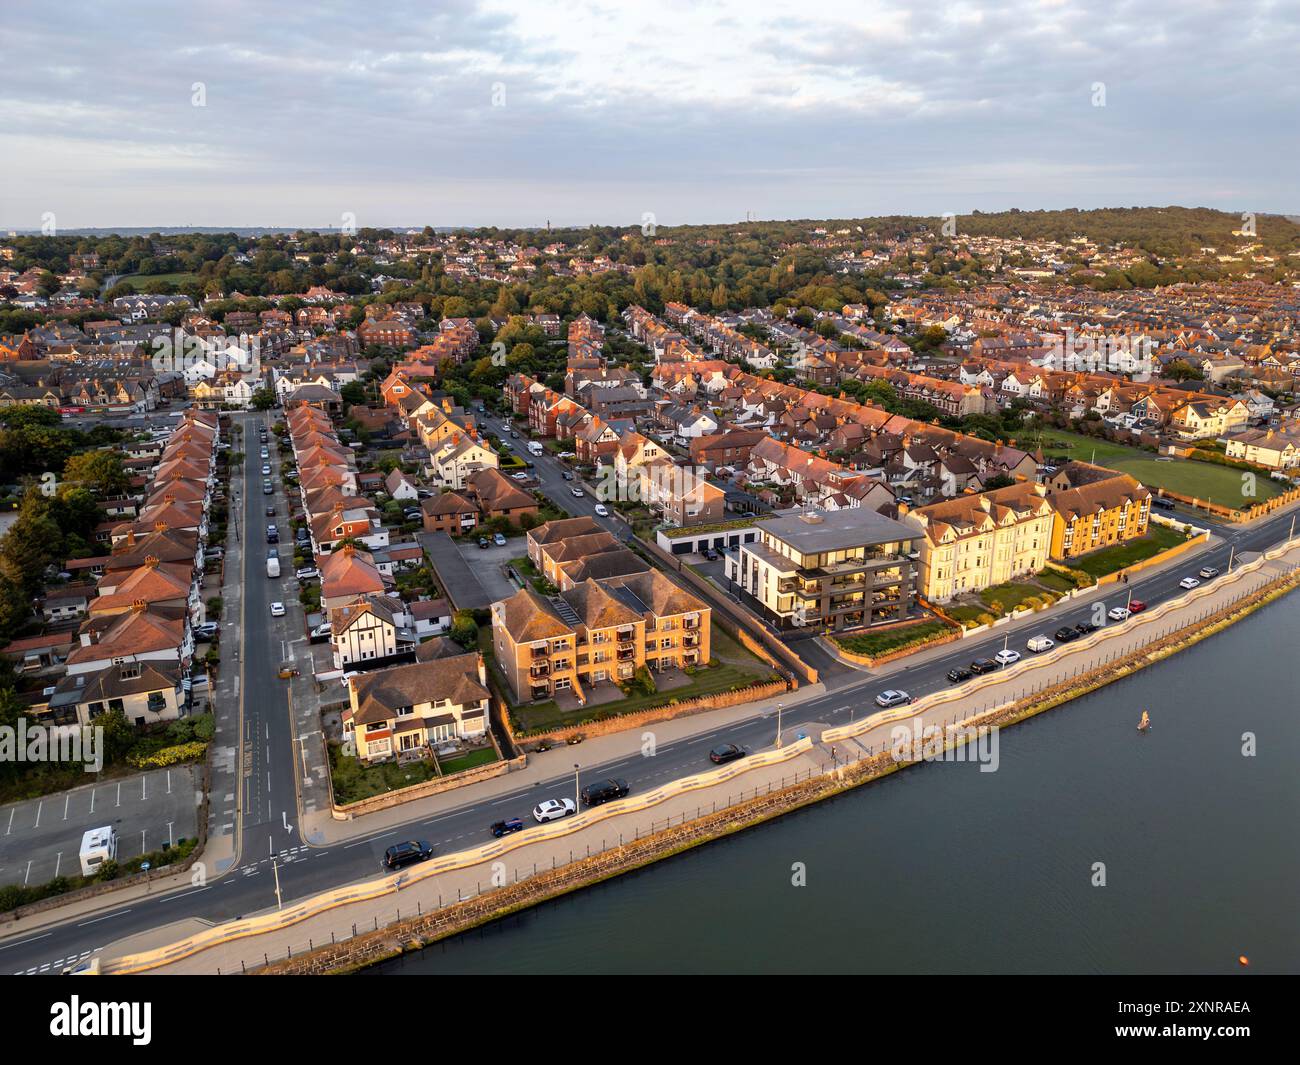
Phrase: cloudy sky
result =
(513, 112)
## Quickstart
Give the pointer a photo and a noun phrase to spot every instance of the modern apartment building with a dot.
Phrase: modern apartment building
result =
(597, 632)
(833, 570)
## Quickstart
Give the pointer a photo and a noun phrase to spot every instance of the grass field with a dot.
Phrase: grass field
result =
(1218, 484)
(1109, 559)
(875, 644)
(140, 281)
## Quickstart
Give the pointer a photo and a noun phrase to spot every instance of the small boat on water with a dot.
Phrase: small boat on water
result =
(1145, 724)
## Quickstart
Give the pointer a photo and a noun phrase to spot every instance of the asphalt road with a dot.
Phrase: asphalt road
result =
(303, 871)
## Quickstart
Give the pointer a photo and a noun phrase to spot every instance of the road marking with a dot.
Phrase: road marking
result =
(96, 920)
(12, 811)
(24, 942)
(39, 807)
(66, 800)
(377, 835)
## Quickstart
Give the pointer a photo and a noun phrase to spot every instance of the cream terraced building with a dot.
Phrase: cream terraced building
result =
(974, 542)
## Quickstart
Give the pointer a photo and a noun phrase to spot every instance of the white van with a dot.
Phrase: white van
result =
(98, 846)
(1039, 644)
(273, 567)
(535, 447)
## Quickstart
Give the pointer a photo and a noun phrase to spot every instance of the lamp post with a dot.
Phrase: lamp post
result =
(779, 708)
(576, 796)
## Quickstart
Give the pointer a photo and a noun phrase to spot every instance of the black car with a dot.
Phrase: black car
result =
(504, 828)
(400, 854)
(567, 475)
(727, 752)
(483, 543)
(984, 665)
(959, 674)
(1066, 634)
(270, 510)
(604, 791)
(1085, 627)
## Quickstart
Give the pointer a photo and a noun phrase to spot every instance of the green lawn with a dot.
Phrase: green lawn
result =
(460, 762)
(1058, 582)
(1109, 559)
(1004, 598)
(1218, 484)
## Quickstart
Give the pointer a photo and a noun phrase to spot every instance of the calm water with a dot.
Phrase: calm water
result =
(943, 869)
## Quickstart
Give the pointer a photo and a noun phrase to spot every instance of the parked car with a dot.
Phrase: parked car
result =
(604, 791)
(270, 510)
(711, 555)
(958, 674)
(308, 573)
(553, 810)
(520, 476)
(400, 854)
(265, 453)
(321, 632)
(1117, 613)
(602, 511)
(272, 534)
(1161, 503)
(1208, 572)
(266, 470)
(1189, 583)
(727, 752)
(893, 697)
(1006, 657)
(483, 544)
(214, 554)
(1085, 627)
(983, 665)
(266, 488)
(576, 492)
(1065, 634)
(499, 539)
(277, 609)
(205, 631)
(1039, 644)
(504, 828)
(1136, 606)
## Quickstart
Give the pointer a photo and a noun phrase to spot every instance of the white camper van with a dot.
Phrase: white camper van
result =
(535, 447)
(272, 566)
(98, 846)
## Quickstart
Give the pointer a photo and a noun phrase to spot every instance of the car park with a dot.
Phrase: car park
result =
(727, 752)
(604, 791)
(1039, 644)
(958, 674)
(277, 609)
(1136, 606)
(983, 665)
(400, 854)
(553, 810)
(1189, 583)
(504, 828)
(1006, 657)
(1066, 634)
(893, 697)
(1208, 572)
(1117, 613)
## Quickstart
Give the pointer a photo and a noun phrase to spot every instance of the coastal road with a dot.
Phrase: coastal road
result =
(468, 812)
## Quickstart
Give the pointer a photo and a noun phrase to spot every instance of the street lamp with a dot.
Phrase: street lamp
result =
(779, 708)
(575, 785)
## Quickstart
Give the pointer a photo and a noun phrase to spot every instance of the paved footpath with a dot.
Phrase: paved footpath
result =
(1114, 644)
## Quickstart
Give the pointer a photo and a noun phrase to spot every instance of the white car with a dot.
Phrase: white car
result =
(602, 510)
(347, 677)
(553, 810)
(1117, 613)
(266, 470)
(1189, 583)
(1005, 658)
(520, 476)
(277, 609)
(576, 492)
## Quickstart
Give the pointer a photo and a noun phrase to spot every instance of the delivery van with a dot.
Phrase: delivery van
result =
(535, 447)
(273, 567)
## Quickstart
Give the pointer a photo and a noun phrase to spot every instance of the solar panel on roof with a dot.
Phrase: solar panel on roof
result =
(567, 614)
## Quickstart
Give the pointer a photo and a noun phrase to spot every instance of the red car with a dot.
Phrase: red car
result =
(1136, 606)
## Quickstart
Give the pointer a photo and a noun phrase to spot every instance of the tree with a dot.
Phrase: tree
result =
(263, 399)
(464, 629)
(99, 471)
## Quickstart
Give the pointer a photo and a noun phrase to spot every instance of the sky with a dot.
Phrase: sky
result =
(519, 112)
